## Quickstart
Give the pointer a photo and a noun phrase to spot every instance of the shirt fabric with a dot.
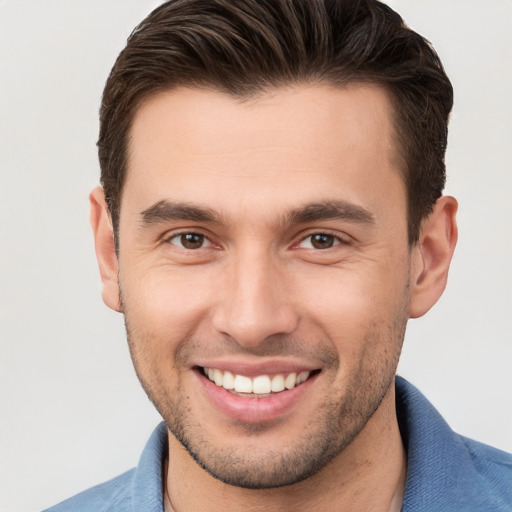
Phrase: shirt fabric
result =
(446, 472)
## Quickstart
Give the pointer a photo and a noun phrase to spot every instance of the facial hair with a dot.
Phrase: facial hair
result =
(343, 413)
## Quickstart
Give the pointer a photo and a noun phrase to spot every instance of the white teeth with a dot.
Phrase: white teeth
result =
(290, 381)
(229, 380)
(277, 383)
(261, 385)
(243, 384)
(218, 377)
(302, 377)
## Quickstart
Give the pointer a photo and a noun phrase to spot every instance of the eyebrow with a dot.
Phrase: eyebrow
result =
(330, 210)
(168, 211)
(164, 211)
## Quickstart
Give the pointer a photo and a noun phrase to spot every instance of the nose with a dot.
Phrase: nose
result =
(255, 302)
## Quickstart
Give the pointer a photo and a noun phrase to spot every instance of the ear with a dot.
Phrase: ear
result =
(432, 256)
(101, 223)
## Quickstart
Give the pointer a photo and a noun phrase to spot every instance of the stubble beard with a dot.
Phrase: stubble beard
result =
(338, 421)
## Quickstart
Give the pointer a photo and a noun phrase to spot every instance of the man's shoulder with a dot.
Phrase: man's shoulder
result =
(137, 489)
(447, 471)
(111, 495)
(493, 464)
(488, 455)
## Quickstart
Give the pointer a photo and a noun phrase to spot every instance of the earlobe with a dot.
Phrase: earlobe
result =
(105, 248)
(432, 256)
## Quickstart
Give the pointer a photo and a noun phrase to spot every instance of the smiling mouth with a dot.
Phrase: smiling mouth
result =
(259, 387)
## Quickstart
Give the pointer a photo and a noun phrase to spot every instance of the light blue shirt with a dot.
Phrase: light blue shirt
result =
(446, 472)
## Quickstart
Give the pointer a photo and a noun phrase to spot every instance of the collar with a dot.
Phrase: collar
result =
(445, 471)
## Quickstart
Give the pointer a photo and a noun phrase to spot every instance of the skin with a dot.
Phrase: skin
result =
(256, 291)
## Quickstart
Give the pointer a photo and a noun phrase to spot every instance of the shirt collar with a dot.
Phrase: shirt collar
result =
(147, 483)
(441, 474)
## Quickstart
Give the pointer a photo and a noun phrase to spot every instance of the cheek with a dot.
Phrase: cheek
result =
(165, 306)
(349, 296)
(350, 303)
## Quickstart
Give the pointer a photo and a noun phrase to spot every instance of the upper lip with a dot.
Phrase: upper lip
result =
(255, 368)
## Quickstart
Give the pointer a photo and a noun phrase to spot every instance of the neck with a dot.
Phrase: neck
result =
(368, 475)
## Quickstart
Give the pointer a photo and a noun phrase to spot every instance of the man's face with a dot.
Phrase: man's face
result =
(259, 240)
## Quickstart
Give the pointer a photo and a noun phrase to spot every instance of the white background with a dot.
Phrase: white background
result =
(72, 411)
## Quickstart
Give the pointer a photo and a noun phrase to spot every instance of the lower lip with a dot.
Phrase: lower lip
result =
(254, 410)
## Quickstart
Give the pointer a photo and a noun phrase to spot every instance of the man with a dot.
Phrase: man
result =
(271, 214)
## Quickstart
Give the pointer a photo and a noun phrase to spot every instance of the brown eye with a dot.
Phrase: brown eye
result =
(319, 241)
(190, 241)
(322, 241)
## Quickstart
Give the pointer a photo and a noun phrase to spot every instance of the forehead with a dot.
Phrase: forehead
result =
(306, 142)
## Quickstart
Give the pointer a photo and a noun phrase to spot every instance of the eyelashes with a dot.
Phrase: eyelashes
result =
(190, 241)
(318, 241)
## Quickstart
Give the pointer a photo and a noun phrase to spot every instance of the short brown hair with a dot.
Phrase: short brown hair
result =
(242, 47)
